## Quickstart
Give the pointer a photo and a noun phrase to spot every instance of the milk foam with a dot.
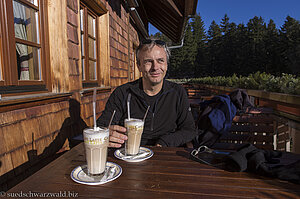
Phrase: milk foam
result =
(134, 122)
(100, 133)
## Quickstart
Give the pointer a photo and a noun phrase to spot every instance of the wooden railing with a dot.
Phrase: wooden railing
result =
(278, 130)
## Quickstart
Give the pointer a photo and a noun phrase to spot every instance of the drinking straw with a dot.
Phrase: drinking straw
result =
(128, 105)
(94, 108)
(146, 113)
(111, 119)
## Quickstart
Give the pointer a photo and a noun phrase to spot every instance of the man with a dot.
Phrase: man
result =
(169, 121)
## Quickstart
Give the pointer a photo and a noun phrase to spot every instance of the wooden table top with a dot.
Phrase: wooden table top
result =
(168, 174)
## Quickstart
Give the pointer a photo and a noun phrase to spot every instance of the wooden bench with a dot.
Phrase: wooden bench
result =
(195, 91)
(255, 128)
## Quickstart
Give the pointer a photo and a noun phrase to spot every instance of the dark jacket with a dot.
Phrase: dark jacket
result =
(215, 120)
(169, 121)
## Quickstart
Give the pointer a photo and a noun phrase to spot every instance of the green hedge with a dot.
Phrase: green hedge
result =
(286, 83)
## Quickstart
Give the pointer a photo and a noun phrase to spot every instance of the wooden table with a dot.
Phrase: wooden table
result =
(168, 174)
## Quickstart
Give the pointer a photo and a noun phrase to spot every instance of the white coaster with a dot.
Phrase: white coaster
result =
(143, 154)
(112, 172)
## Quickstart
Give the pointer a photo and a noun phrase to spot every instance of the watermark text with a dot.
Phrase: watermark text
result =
(30, 194)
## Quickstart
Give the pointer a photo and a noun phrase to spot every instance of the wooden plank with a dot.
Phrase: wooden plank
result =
(104, 47)
(282, 129)
(6, 166)
(265, 146)
(58, 47)
(283, 137)
(251, 128)
(281, 146)
(253, 119)
(252, 138)
(12, 138)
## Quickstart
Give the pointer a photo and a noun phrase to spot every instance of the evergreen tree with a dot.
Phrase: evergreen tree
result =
(228, 49)
(224, 24)
(200, 41)
(273, 64)
(189, 51)
(241, 49)
(256, 45)
(214, 44)
(290, 45)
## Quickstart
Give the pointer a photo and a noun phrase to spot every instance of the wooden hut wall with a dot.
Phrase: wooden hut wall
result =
(33, 135)
(24, 134)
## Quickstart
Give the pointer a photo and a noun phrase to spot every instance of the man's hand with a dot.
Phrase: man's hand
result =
(116, 136)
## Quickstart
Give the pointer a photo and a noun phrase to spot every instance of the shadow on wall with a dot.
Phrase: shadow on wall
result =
(71, 127)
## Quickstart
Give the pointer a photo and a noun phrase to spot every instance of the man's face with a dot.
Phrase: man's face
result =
(153, 65)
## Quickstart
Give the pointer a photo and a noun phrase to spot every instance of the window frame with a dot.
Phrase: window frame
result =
(9, 82)
(87, 82)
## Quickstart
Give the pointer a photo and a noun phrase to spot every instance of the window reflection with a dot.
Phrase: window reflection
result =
(26, 23)
(27, 30)
(92, 70)
(29, 62)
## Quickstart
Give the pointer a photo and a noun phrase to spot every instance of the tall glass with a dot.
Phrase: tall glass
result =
(134, 133)
(96, 143)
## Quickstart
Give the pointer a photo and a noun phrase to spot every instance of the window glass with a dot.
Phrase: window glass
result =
(82, 45)
(92, 70)
(92, 48)
(88, 42)
(91, 25)
(34, 2)
(1, 54)
(0, 65)
(29, 62)
(83, 68)
(22, 62)
(26, 22)
(81, 20)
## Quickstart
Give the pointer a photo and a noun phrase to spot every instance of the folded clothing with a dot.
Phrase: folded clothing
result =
(262, 162)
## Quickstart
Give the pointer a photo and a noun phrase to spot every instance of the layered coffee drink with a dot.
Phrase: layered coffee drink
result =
(96, 143)
(134, 133)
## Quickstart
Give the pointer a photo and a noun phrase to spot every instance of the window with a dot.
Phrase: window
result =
(89, 46)
(1, 53)
(22, 60)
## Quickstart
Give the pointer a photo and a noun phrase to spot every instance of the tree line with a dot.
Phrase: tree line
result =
(227, 48)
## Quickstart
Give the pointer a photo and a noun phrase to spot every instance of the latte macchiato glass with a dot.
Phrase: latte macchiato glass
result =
(134, 133)
(96, 143)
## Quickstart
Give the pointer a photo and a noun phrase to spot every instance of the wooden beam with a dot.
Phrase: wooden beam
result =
(104, 47)
(58, 45)
(172, 5)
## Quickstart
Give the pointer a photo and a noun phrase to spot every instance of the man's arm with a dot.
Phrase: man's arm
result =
(116, 132)
(185, 131)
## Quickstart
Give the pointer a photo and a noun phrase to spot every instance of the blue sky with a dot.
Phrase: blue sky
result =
(240, 11)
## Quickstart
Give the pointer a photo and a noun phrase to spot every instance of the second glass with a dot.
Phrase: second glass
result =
(134, 132)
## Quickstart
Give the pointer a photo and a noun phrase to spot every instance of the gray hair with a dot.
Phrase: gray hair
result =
(149, 44)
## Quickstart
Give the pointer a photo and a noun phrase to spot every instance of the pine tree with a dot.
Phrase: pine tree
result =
(256, 34)
(273, 64)
(290, 42)
(224, 24)
(200, 41)
(189, 51)
(241, 50)
(214, 44)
